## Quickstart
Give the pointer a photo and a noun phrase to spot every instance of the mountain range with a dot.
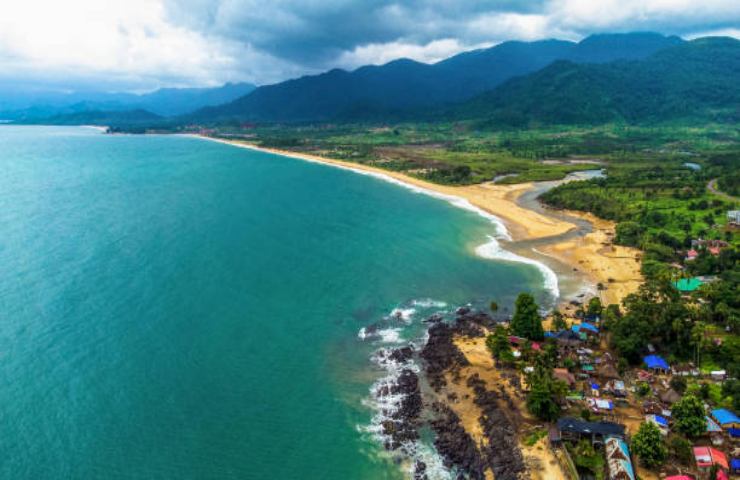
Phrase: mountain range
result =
(695, 80)
(632, 77)
(404, 85)
(38, 104)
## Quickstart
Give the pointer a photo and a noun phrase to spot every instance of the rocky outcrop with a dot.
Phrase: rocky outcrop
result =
(454, 444)
(440, 354)
(502, 454)
(401, 425)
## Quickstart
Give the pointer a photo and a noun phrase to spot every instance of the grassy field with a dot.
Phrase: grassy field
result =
(462, 153)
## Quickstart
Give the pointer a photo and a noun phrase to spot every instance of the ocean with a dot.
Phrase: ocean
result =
(177, 308)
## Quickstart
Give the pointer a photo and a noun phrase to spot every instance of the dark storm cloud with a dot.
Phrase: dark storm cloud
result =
(312, 32)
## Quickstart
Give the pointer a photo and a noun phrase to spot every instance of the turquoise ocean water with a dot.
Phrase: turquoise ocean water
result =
(177, 308)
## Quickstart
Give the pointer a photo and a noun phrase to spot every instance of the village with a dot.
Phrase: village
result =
(664, 418)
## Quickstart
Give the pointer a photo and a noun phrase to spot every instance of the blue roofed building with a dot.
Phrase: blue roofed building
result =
(726, 418)
(656, 363)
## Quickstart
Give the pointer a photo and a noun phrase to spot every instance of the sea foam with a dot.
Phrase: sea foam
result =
(492, 249)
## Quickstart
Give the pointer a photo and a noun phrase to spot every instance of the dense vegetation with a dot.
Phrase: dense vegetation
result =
(400, 88)
(695, 80)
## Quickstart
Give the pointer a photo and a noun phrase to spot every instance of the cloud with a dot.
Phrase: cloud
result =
(380, 53)
(141, 44)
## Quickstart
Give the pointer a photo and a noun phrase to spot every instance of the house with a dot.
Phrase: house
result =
(618, 459)
(718, 375)
(691, 255)
(568, 339)
(712, 426)
(735, 466)
(656, 364)
(726, 418)
(733, 217)
(616, 388)
(687, 285)
(575, 429)
(564, 375)
(685, 370)
(659, 421)
(707, 456)
(586, 327)
(608, 371)
(669, 397)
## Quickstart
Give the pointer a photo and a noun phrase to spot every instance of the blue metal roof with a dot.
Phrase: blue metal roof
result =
(656, 361)
(724, 416)
(661, 420)
(735, 463)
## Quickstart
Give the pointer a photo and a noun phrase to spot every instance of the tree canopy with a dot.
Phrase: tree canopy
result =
(688, 415)
(648, 445)
(526, 321)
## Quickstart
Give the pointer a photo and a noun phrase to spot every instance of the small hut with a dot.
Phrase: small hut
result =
(669, 396)
(607, 371)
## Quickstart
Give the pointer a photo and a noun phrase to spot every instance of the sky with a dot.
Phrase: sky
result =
(140, 45)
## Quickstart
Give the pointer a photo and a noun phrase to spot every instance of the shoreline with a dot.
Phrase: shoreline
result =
(591, 256)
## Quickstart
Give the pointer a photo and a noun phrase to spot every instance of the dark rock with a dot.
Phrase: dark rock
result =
(462, 311)
(440, 354)
(455, 445)
(502, 454)
(401, 355)
(420, 470)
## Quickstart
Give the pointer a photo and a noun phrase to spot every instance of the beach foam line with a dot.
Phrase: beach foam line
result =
(492, 250)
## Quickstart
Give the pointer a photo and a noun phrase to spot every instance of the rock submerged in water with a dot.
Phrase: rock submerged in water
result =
(502, 455)
(402, 424)
(457, 448)
(454, 444)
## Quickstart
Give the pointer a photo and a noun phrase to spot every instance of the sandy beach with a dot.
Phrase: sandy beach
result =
(592, 255)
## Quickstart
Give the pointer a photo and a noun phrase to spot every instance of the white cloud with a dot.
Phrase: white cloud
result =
(140, 44)
(680, 15)
(723, 32)
(380, 53)
(131, 39)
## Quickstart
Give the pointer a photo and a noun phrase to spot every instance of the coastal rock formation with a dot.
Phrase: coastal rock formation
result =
(402, 423)
(440, 354)
(502, 453)
(454, 444)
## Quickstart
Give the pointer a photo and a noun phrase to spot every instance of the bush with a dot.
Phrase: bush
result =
(678, 384)
(681, 450)
(648, 445)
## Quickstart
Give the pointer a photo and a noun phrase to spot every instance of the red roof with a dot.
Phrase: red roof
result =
(679, 477)
(708, 456)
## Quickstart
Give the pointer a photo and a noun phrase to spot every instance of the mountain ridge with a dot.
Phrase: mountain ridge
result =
(404, 84)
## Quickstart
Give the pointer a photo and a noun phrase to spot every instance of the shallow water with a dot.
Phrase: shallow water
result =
(175, 308)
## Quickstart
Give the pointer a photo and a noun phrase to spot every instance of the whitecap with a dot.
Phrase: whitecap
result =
(390, 335)
(428, 303)
(405, 314)
(492, 250)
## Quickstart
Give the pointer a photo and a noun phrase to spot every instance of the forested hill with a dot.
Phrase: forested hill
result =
(696, 80)
(375, 92)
